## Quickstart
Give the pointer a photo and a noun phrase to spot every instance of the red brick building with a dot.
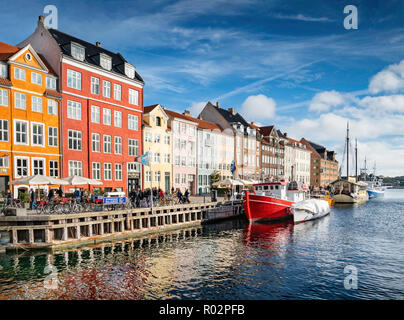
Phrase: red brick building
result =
(101, 111)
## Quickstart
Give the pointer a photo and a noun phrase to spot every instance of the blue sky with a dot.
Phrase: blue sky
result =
(288, 63)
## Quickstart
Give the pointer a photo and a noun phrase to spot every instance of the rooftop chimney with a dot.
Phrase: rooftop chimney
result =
(285, 134)
(187, 113)
(98, 44)
(218, 104)
(41, 20)
(233, 112)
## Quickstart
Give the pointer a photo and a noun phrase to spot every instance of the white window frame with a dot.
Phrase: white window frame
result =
(52, 137)
(43, 160)
(95, 114)
(16, 158)
(107, 145)
(18, 99)
(118, 145)
(73, 79)
(74, 110)
(117, 89)
(105, 111)
(77, 138)
(27, 135)
(50, 82)
(3, 131)
(96, 168)
(106, 89)
(52, 107)
(78, 167)
(133, 147)
(105, 61)
(133, 122)
(109, 170)
(36, 78)
(36, 104)
(3, 97)
(95, 85)
(52, 168)
(77, 51)
(18, 72)
(118, 116)
(118, 172)
(133, 97)
(3, 70)
(95, 142)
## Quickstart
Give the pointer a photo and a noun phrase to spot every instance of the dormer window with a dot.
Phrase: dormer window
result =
(77, 51)
(105, 61)
(3, 70)
(129, 70)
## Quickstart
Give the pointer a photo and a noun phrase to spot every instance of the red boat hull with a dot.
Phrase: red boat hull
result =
(266, 208)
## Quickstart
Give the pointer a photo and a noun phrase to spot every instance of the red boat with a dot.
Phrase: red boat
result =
(273, 200)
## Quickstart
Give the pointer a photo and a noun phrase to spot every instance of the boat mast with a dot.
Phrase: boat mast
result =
(356, 160)
(347, 151)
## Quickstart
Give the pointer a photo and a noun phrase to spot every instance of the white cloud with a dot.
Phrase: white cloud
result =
(325, 100)
(259, 107)
(302, 17)
(393, 103)
(196, 108)
(390, 79)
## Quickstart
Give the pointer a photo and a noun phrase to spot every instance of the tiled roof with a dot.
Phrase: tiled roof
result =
(52, 93)
(92, 51)
(6, 82)
(266, 131)
(203, 124)
(147, 109)
(7, 50)
(174, 114)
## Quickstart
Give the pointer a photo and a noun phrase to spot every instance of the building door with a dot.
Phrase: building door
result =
(4, 180)
(133, 184)
(167, 182)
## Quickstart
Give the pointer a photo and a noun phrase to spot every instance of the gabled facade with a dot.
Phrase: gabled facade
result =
(184, 150)
(157, 140)
(323, 166)
(245, 138)
(101, 112)
(29, 116)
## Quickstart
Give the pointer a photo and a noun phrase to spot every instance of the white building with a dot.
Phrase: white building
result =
(297, 160)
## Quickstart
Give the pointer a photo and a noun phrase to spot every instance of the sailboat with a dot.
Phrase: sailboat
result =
(350, 190)
(375, 185)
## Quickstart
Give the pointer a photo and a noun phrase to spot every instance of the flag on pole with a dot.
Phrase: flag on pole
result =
(143, 159)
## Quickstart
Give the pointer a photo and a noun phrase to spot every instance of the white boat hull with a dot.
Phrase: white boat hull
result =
(310, 210)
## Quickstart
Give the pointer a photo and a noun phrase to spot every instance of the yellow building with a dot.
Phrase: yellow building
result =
(29, 116)
(157, 141)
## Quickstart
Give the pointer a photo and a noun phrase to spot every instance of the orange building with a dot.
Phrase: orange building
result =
(29, 116)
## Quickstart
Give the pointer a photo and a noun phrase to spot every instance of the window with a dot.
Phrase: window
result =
(147, 137)
(148, 176)
(133, 147)
(105, 62)
(38, 166)
(192, 131)
(52, 107)
(3, 130)
(107, 144)
(4, 162)
(183, 161)
(133, 97)
(96, 166)
(95, 142)
(118, 171)
(75, 168)
(53, 168)
(118, 119)
(77, 51)
(132, 122)
(129, 71)
(156, 157)
(106, 116)
(158, 121)
(167, 139)
(157, 138)
(3, 98)
(177, 178)
(118, 145)
(21, 167)
(36, 78)
(73, 79)
(176, 126)
(117, 92)
(21, 132)
(167, 158)
(184, 128)
(73, 110)
(95, 114)
(183, 178)
(107, 171)
(19, 74)
(50, 83)
(177, 160)
(74, 140)
(53, 136)
(157, 176)
(36, 104)
(20, 100)
(106, 89)
(3, 70)
(95, 85)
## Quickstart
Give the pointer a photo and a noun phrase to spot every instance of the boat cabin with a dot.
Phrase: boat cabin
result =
(292, 191)
(348, 187)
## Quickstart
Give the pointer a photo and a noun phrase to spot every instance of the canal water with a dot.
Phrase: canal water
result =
(356, 252)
